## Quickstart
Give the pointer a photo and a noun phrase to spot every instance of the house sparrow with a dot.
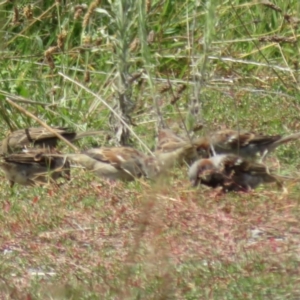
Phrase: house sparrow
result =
(231, 172)
(34, 167)
(245, 144)
(123, 163)
(38, 136)
(174, 147)
(165, 136)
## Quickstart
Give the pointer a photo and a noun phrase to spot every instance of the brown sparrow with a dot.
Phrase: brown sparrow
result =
(231, 172)
(38, 136)
(174, 147)
(245, 144)
(165, 136)
(34, 167)
(123, 163)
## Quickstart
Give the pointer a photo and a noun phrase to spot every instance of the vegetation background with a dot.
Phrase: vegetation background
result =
(206, 64)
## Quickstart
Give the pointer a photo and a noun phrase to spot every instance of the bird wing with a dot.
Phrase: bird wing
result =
(232, 139)
(115, 156)
(43, 157)
(127, 159)
(169, 145)
(35, 135)
(38, 133)
(243, 171)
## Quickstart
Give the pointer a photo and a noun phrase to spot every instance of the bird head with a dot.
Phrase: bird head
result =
(201, 171)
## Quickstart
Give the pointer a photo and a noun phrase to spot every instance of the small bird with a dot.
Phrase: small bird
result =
(167, 135)
(171, 145)
(123, 163)
(242, 143)
(231, 172)
(39, 137)
(35, 167)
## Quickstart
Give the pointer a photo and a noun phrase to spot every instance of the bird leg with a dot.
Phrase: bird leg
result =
(212, 149)
(262, 157)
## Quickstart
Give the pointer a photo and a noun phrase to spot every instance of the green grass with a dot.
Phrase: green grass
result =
(128, 243)
(239, 63)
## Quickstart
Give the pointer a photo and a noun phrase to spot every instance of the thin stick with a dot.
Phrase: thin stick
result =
(29, 114)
